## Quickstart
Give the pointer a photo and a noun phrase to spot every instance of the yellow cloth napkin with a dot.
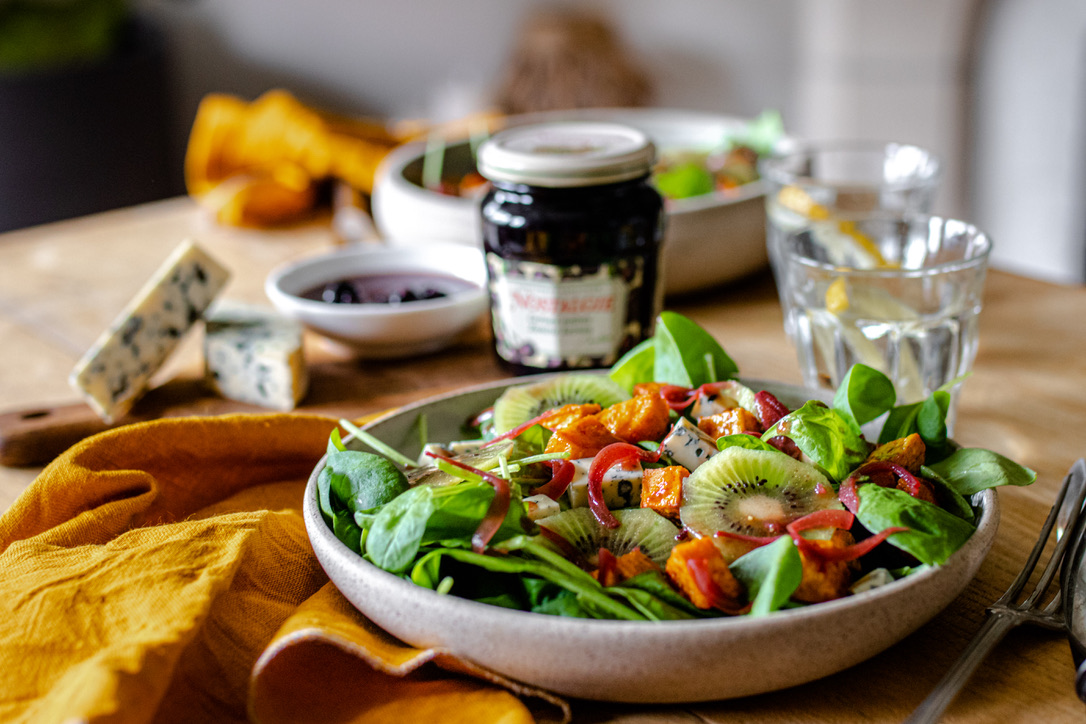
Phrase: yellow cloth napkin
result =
(161, 572)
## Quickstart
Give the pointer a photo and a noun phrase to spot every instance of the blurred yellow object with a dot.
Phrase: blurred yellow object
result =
(261, 163)
(837, 297)
(799, 201)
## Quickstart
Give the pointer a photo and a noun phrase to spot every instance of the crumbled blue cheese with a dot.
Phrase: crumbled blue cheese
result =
(116, 370)
(255, 356)
(621, 486)
(456, 447)
(540, 506)
(731, 394)
(687, 445)
(874, 579)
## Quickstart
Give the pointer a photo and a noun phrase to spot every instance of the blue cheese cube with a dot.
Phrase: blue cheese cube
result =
(874, 579)
(255, 356)
(621, 486)
(116, 370)
(541, 506)
(731, 394)
(687, 445)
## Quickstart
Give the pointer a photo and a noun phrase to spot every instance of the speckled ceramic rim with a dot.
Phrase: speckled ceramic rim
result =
(807, 643)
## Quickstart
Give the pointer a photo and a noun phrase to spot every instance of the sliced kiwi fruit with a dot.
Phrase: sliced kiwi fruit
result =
(521, 403)
(638, 528)
(752, 492)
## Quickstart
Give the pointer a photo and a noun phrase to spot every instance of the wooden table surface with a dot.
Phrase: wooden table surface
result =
(62, 283)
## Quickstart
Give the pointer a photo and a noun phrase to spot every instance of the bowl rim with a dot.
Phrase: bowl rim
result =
(981, 539)
(273, 285)
(394, 164)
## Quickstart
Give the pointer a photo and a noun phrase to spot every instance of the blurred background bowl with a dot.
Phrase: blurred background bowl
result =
(384, 331)
(710, 239)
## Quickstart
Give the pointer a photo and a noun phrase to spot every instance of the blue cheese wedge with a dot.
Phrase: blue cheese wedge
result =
(687, 445)
(116, 370)
(621, 486)
(255, 356)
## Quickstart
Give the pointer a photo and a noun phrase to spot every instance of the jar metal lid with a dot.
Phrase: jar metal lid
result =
(565, 154)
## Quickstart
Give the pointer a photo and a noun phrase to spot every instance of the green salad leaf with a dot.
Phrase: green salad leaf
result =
(934, 534)
(824, 436)
(863, 395)
(971, 470)
(771, 574)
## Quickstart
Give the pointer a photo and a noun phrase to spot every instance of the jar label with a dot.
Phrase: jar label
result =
(548, 316)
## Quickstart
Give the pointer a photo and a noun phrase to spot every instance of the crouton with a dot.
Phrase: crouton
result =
(826, 580)
(721, 590)
(642, 417)
(582, 438)
(729, 422)
(569, 414)
(662, 489)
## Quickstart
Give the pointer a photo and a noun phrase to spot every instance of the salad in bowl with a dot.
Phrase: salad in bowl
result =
(666, 489)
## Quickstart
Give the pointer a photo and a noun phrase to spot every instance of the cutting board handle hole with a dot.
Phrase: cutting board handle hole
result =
(35, 414)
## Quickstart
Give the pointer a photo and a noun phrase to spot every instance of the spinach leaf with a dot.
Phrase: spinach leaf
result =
(750, 442)
(635, 366)
(971, 470)
(425, 514)
(771, 574)
(685, 354)
(363, 481)
(926, 418)
(863, 395)
(933, 535)
(824, 436)
(947, 497)
(652, 595)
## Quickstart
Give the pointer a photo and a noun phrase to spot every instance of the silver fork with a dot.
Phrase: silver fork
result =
(1005, 613)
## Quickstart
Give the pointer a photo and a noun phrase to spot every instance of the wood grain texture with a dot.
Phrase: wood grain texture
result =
(61, 284)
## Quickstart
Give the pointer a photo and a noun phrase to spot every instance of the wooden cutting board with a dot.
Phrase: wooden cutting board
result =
(32, 437)
(37, 435)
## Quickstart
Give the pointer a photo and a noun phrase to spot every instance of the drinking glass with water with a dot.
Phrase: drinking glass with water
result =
(897, 292)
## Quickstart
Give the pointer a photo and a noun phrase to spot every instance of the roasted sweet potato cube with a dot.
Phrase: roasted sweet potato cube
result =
(647, 388)
(569, 414)
(626, 566)
(722, 590)
(826, 580)
(642, 417)
(582, 438)
(662, 489)
(729, 422)
(908, 452)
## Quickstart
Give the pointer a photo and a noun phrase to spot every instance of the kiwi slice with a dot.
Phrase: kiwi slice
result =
(752, 492)
(638, 528)
(521, 403)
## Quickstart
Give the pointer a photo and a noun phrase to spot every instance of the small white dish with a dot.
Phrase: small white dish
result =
(632, 661)
(384, 331)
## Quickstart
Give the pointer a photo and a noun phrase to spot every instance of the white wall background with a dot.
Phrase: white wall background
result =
(957, 76)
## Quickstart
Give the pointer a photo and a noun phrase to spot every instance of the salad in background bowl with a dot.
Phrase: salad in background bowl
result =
(719, 613)
(713, 235)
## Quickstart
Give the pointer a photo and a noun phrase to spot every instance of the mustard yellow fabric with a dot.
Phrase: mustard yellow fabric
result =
(161, 572)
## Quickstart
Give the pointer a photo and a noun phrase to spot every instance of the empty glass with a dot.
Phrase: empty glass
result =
(900, 293)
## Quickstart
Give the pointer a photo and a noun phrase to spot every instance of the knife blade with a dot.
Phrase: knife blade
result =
(1073, 587)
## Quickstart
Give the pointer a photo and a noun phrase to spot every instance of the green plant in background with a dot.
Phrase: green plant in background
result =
(47, 34)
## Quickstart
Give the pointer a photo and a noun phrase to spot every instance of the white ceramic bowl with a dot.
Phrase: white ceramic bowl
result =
(645, 662)
(384, 330)
(709, 240)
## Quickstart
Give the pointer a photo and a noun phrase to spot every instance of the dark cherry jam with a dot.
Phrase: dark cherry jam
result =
(573, 254)
(387, 289)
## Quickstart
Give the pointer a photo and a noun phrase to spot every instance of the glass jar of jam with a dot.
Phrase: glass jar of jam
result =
(572, 232)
